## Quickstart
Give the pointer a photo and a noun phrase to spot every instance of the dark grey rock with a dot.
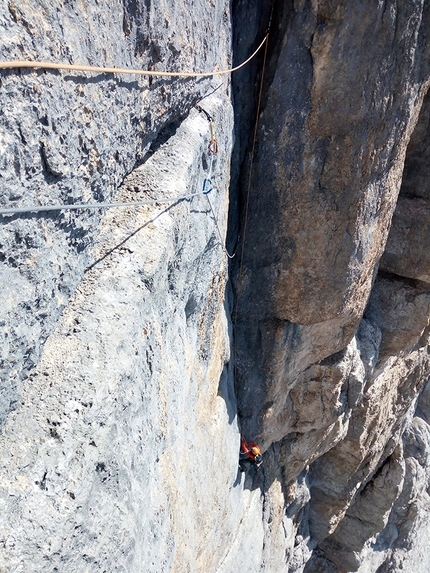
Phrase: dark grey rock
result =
(326, 176)
(406, 254)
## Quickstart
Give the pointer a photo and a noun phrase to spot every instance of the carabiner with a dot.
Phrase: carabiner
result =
(213, 144)
(207, 182)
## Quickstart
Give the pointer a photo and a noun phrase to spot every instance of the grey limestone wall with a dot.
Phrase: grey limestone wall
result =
(126, 380)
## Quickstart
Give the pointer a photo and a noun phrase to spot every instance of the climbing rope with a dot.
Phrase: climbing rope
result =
(213, 145)
(248, 194)
(38, 208)
(103, 70)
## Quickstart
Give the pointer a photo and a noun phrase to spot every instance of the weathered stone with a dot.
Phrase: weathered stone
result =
(326, 176)
(400, 309)
(121, 452)
(106, 463)
(367, 515)
(416, 174)
(404, 542)
(72, 138)
(406, 253)
(373, 433)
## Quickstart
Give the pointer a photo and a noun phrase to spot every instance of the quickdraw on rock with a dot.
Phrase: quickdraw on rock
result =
(213, 143)
(207, 186)
(207, 182)
(213, 150)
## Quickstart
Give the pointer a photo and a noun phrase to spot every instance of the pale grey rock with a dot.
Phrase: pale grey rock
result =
(408, 550)
(367, 515)
(123, 448)
(72, 138)
(423, 407)
(121, 437)
(374, 430)
(368, 341)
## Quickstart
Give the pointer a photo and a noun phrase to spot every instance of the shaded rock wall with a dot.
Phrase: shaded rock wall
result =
(329, 188)
(332, 355)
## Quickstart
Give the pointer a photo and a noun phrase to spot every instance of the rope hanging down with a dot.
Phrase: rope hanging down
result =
(98, 69)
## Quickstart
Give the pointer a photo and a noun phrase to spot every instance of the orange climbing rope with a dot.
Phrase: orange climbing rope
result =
(99, 69)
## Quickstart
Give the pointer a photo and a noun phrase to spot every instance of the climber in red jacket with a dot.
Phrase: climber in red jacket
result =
(250, 454)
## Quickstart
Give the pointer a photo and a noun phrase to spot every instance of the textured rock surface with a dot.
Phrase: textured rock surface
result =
(124, 388)
(72, 138)
(331, 358)
(107, 461)
(329, 188)
(406, 253)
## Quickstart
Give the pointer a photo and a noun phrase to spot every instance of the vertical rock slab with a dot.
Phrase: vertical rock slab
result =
(332, 140)
(339, 477)
(406, 253)
(68, 137)
(122, 455)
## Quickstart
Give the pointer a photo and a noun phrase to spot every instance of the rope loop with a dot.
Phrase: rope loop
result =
(104, 70)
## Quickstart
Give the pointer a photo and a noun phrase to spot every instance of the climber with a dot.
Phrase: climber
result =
(250, 454)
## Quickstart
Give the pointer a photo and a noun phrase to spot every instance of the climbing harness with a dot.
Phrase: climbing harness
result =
(250, 449)
(99, 69)
(250, 454)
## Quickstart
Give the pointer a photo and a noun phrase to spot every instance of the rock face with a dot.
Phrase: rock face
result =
(68, 138)
(331, 185)
(130, 365)
(332, 354)
(111, 428)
